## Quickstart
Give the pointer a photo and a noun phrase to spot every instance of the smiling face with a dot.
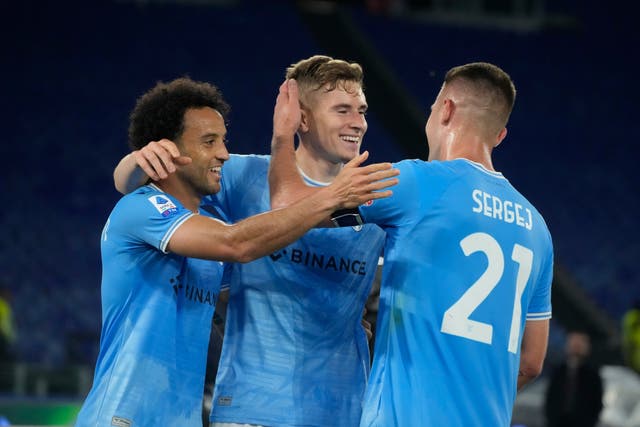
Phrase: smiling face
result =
(203, 139)
(334, 122)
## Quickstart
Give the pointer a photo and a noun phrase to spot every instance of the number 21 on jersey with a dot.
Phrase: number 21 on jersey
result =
(455, 320)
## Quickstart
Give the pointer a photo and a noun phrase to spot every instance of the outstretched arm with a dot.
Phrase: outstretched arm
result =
(260, 235)
(155, 161)
(286, 184)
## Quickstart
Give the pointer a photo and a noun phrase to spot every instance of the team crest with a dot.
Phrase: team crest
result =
(163, 205)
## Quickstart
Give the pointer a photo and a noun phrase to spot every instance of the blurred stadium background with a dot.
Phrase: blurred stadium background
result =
(72, 71)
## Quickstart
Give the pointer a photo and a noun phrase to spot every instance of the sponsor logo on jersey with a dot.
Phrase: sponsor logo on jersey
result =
(163, 205)
(193, 293)
(321, 261)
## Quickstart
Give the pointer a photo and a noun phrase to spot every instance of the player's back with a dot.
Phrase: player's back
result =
(467, 261)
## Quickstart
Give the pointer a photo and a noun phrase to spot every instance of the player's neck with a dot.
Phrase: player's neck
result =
(479, 158)
(315, 167)
(185, 194)
(470, 147)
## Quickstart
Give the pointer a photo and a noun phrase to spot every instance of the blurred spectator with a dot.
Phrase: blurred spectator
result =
(631, 336)
(574, 394)
(7, 327)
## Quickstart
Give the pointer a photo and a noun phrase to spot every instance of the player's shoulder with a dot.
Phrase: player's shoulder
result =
(409, 165)
(147, 200)
(513, 194)
(247, 160)
(243, 166)
(422, 167)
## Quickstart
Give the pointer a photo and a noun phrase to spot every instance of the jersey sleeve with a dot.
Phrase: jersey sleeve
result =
(400, 206)
(540, 305)
(239, 174)
(148, 218)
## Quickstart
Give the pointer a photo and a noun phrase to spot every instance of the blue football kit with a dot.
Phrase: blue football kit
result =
(295, 352)
(156, 316)
(468, 260)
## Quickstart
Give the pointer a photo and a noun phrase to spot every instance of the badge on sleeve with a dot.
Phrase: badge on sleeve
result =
(163, 205)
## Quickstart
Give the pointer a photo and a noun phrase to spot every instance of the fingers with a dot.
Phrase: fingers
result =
(284, 87)
(288, 92)
(168, 145)
(375, 167)
(379, 185)
(383, 176)
(145, 165)
(283, 91)
(158, 159)
(153, 160)
(376, 195)
(368, 181)
(287, 114)
(380, 180)
(182, 160)
(292, 90)
(357, 160)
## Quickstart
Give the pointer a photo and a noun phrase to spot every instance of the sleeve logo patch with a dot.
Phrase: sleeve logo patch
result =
(163, 205)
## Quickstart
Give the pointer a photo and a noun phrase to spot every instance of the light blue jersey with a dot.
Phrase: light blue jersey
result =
(467, 261)
(294, 352)
(156, 316)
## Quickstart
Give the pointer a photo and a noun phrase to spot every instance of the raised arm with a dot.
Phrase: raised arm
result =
(260, 235)
(285, 183)
(154, 161)
(533, 350)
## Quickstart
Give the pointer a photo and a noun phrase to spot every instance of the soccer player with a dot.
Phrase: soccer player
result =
(465, 298)
(294, 350)
(159, 287)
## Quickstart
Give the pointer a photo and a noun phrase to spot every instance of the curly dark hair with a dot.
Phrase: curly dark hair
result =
(159, 113)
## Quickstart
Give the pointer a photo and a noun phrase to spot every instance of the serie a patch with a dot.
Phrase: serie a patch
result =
(163, 205)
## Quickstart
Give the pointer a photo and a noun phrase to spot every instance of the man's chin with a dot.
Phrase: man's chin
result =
(211, 190)
(347, 159)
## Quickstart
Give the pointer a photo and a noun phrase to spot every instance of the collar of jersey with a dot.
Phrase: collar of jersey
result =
(310, 181)
(155, 187)
(483, 169)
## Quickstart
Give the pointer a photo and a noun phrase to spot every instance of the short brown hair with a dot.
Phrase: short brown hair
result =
(319, 71)
(489, 77)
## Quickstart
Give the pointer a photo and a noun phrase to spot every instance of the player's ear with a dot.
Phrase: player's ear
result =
(502, 135)
(304, 120)
(448, 109)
